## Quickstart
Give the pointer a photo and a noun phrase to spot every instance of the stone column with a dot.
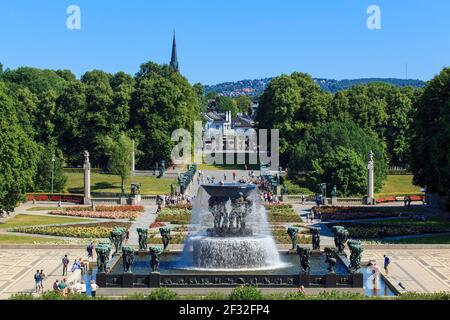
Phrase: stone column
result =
(370, 179)
(87, 179)
(133, 161)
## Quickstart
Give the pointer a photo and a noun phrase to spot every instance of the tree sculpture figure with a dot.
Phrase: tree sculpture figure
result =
(143, 237)
(166, 237)
(128, 259)
(315, 238)
(341, 236)
(292, 232)
(117, 236)
(305, 254)
(331, 259)
(356, 251)
(103, 251)
(154, 257)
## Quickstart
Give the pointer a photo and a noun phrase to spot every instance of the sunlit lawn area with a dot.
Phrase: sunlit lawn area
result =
(436, 223)
(442, 239)
(399, 185)
(13, 239)
(111, 183)
(22, 220)
(42, 208)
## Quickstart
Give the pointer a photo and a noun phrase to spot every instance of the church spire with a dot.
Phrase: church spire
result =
(174, 60)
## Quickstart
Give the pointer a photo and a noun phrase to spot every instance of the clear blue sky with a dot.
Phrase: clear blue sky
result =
(231, 40)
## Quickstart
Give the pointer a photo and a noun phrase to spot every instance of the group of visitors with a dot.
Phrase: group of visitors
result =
(375, 271)
(78, 264)
(63, 288)
(39, 277)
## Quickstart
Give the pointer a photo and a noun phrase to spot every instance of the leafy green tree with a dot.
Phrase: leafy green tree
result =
(430, 143)
(225, 104)
(243, 104)
(343, 168)
(119, 152)
(47, 168)
(308, 154)
(18, 154)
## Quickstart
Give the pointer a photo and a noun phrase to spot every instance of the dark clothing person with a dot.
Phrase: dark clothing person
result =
(65, 262)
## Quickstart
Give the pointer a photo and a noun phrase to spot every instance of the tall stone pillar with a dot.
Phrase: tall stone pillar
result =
(370, 179)
(133, 161)
(87, 179)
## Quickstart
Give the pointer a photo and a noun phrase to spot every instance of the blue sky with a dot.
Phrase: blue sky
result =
(231, 40)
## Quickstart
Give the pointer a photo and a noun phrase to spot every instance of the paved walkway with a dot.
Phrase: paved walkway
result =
(17, 268)
(144, 221)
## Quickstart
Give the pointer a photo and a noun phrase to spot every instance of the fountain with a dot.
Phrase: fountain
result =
(231, 231)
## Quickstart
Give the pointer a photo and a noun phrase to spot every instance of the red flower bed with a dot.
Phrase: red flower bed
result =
(108, 209)
(98, 214)
(157, 224)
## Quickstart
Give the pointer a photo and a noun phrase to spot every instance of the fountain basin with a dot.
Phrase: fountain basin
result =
(239, 253)
(229, 190)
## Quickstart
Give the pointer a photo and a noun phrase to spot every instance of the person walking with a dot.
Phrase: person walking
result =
(65, 262)
(234, 176)
(90, 251)
(94, 288)
(387, 262)
(37, 280)
(43, 276)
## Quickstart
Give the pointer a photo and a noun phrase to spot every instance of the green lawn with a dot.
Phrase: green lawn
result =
(399, 185)
(436, 223)
(13, 239)
(22, 220)
(442, 239)
(42, 208)
(111, 183)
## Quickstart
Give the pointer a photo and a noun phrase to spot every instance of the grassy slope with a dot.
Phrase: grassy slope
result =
(32, 220)
(13, 239)
(399, 185)
(111, 183)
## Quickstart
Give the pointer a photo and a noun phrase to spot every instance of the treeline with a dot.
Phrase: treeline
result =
(326, 137)
(46, 113)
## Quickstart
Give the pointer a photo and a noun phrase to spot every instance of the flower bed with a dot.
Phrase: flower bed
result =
(270, 206)
(157, 225)
(187, 206)
(92, 230)
(283, 213)
(98, 214)
(372, 230)
(174, 216)
(354, 213)
(108, 209)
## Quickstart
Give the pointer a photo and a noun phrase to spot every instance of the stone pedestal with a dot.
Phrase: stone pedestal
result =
(127, 280)
(357, 280)
(304, 280)
(155, 280)
(330, 280)
(87, 179)
(101, 280)
(334, 201)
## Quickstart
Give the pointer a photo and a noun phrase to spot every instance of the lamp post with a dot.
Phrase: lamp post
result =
(53, 170)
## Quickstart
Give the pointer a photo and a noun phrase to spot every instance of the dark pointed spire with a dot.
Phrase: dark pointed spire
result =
(174, 60)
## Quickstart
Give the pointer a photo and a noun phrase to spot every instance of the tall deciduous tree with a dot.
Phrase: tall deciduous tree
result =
(119, 153)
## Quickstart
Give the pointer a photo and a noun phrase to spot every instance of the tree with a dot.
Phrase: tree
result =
(226, 104)
(325, 141)
(243, 104)
(48, 170)
(18, 154)
(119, 152)
(430, 142)
(343, 168)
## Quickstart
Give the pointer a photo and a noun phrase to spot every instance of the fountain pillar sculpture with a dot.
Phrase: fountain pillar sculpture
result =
(370, 179)
(87, 179)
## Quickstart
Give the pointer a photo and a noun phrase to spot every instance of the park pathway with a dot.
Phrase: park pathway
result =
(144, 221)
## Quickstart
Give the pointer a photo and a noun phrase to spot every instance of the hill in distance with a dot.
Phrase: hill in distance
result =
(257, 87)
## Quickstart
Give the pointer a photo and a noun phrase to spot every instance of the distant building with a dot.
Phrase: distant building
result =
(230, 129)
(174, 58)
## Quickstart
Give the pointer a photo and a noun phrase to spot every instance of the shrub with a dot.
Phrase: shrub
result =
(162, 294)
(22, 296)
(246, 293)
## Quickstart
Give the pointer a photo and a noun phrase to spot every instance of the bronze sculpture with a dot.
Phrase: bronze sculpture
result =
(356, 251)
(292, 232)
(315, 238)
(142, 238)
(128, 259)
(331, 259)
(154, 257)
(117, 236)
(166, 237)
(103, 251)
(305, 254)
(341, 237)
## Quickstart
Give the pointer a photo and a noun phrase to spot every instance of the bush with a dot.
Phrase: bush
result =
(162, 294)
(246, 293)
(22, 296)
